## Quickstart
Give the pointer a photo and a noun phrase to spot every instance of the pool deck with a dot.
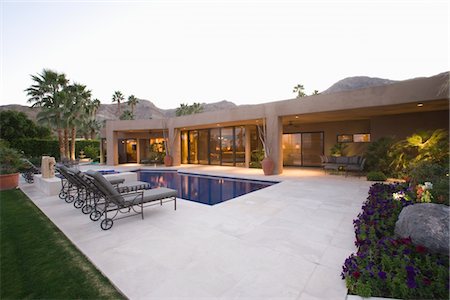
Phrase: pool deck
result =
(287, 241)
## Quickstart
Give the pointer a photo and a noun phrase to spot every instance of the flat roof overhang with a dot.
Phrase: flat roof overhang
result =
(367, 112)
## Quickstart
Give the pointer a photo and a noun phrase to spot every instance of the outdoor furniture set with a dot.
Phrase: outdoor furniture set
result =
(343, 163)
(98, 197)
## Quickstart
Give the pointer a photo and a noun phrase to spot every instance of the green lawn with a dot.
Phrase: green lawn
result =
(38, 261)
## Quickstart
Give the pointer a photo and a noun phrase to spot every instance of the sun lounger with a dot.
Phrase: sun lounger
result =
(116, 202)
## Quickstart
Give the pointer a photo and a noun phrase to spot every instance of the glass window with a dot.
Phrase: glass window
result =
(193, 147)
(292, 152)
(361, 138)
(239, 141)
(203, 137)
(227, 139)
(345, 138)
(184, 147)
(312, 148)
(214, 146)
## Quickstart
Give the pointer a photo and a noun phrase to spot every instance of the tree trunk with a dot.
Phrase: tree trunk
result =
(62, 150)
(73, 140)
(66, 142)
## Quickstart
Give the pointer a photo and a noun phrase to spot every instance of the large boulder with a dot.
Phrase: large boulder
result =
(427, 224)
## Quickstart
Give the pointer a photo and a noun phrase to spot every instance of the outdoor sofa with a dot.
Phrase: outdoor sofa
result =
(343, 163)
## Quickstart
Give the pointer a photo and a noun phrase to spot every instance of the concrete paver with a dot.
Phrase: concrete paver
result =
(287, 241)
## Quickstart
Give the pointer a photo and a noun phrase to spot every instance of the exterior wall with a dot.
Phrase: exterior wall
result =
(344, 107)
(331, 130)
(401, 126)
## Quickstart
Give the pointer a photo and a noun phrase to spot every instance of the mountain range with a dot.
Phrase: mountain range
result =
(146, 109)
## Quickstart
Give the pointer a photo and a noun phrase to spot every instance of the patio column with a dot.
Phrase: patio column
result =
(174, 136)
(274, 141)
(112, 148)
(101, 151)
(248, 147)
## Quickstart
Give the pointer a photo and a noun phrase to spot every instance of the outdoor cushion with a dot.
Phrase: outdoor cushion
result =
(133, 186)
(104, 186)
(154, 195)
(353, 160)
(342, 160)
(331, 159)
(115, 181)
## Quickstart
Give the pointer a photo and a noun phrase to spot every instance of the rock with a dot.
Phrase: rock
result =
(427, 224)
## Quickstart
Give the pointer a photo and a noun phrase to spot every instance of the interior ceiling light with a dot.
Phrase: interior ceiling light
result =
(296, 117)
(419, 104)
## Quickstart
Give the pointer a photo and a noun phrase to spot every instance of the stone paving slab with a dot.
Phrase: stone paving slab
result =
(287, 241)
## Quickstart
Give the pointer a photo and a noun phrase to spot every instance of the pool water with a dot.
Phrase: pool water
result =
(203, 189)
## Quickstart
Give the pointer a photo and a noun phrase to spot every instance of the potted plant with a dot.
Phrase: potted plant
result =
(10, 165)
(267, 163)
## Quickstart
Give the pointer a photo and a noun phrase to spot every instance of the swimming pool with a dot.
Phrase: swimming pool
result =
(203, 189)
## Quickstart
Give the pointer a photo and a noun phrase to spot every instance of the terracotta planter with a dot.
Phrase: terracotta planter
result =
(9, 181)
(268, 165)
(168, 161)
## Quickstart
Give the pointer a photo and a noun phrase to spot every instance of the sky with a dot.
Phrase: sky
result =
(247, 52)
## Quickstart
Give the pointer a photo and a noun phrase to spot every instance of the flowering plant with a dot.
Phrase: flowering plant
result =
(423, 192)
(386, 266)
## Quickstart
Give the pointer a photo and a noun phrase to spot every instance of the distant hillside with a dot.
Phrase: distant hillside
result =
(29, 111)
(144, 110)
(357, 82)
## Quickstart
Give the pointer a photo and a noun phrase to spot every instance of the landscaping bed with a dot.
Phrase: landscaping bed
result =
(386, 266)
(38, 261)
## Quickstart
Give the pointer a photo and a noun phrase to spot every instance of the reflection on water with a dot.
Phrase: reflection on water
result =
(207, 190)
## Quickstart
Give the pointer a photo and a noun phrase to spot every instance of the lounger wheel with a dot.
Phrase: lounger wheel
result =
(95, 215)
(70, 198)
(78, 203)
(62, 195)
(106, 224)
(87, 209)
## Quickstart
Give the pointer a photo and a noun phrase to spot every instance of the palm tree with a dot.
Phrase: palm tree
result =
(77, 106)
(47, 93)
(127, 115)
(132, 101)
(316, 92)
(300, 90)
(186, 109)
(118, 97)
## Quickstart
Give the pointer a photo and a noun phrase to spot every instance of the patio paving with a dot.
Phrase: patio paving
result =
(287, 241)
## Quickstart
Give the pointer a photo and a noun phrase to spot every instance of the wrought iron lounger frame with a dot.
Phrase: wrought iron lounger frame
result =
(94, 204)
(29, 171)
(127, 202)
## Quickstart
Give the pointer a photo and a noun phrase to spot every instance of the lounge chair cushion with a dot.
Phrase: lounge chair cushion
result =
(104, 184)
(115, 181)
(153, 195)
(133, 186)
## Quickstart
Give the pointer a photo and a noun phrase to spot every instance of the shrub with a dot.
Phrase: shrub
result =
(430, 147)
(385, 266)
(40, 147)
(376, 176)
(377, 155)
(91, 152)
(10, 161)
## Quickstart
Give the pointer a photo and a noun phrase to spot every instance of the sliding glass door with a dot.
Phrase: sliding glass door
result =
(302, 149)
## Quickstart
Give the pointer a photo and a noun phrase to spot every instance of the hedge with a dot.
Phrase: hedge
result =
(32, 147)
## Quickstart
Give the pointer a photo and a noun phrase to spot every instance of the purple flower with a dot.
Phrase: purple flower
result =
(382, 275)
(411, 283)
